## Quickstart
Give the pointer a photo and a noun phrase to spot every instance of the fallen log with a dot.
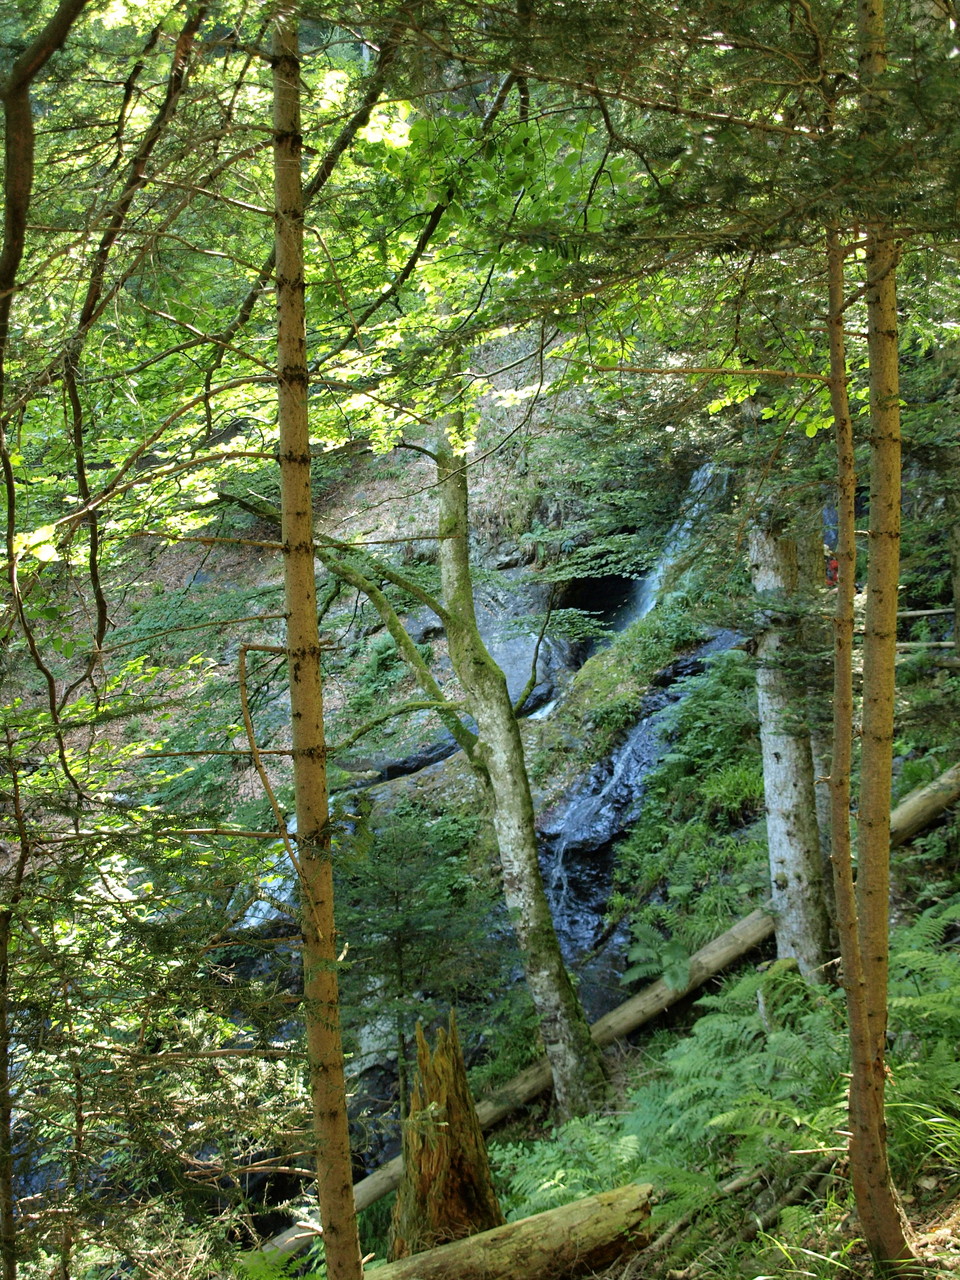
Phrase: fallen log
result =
(918, 809)
(573, 1240)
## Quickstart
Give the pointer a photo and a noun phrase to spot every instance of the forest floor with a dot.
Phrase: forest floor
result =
(837, 1250)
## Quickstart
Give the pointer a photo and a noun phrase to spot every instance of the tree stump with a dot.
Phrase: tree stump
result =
(446, 1191)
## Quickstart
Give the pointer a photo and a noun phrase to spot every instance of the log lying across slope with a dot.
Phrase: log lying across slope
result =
(575, 1240)
(918, 809)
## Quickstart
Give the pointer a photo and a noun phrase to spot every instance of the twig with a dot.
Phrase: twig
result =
(255, 750)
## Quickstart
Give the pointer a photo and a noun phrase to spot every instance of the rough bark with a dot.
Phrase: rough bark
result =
(793, 838)
(321, 1002)
(578, 1073)
(446, 1191)
(863, 902)
(574, 1240)
(878, 1206)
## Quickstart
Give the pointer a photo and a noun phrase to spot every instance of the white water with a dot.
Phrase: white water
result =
(646, 590)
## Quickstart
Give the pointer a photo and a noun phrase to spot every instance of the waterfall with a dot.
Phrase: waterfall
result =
(701, 492)
(577, 850)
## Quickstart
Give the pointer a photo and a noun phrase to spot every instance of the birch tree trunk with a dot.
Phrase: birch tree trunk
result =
(321, 1002)
(575, 1061)
(793, 838)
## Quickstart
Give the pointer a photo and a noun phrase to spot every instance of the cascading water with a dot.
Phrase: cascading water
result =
(701, 493)
(577, 851)
(577, 854)
(578, 842)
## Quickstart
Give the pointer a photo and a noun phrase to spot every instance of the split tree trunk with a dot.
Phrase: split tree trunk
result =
(793, 837)
(321, 1000)
(579, 1079)
(446, 1191)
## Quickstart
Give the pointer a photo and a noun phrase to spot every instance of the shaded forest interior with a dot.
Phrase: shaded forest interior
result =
(481, 542)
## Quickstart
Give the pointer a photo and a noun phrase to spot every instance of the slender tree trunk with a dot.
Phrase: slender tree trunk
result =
(816, 643)
(8, 1207)
(862, 905)
(793, 838)
(18, 172)
(953, 541)
(576, 1062)
(877, 1202)
(878, 1205)
(321, 1001)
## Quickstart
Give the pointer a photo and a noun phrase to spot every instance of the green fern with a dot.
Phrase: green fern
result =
(585, 1156)
(760, 1079)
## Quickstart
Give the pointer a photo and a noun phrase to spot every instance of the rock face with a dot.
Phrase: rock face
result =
(509, 606)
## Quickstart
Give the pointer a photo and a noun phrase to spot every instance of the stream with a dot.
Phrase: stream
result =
(577, 840)
(578, 844)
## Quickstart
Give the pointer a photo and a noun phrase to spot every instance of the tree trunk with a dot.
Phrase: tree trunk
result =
(796, 865)
(321, 1003)
(574, 1240)
(862, 904)
(953, 507)
(816, 641)
(12, 892)
(446, 1191)
(877, 1203)
(18, 171)
(578, 1073)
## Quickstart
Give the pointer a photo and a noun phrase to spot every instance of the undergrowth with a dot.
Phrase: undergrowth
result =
(759, 1084)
